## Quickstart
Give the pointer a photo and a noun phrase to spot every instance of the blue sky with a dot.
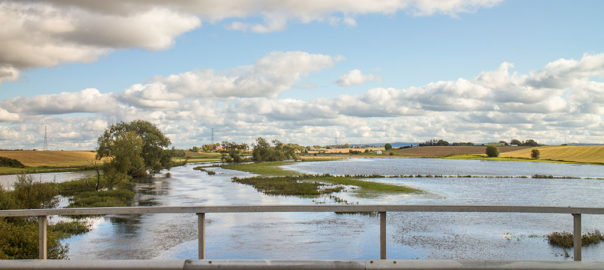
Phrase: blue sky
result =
(414, 70)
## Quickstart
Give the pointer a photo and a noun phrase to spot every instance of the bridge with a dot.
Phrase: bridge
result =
(381, 263)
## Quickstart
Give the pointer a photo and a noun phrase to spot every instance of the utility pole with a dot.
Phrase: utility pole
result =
(212, 142)
(45, 139)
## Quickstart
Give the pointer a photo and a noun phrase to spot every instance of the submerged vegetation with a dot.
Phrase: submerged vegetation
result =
(314, 185)
(565, 239)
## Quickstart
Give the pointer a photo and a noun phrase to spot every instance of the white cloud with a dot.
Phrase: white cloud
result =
(269, 76)
(242, 103)
(6, 116)
(355, 77)
(88, 100)
(47, 33)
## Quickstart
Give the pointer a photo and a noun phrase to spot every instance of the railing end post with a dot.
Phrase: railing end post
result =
(201, 234)
(577, 236)
(42, 237)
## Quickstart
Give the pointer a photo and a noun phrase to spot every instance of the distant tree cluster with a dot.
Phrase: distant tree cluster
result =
(210, 147)
(462, 144)
(264, 151)
(435, 142)
(232, 151)
(529, 142)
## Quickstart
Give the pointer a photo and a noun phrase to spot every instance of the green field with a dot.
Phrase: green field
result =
(579, 154)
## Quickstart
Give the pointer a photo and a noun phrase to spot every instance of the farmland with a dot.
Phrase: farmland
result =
(581, 154)
(443, 151)
(49, 161)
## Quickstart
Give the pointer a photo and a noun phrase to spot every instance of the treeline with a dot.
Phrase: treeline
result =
(441, 142)
(263, 151)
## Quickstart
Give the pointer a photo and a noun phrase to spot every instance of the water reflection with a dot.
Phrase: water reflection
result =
(332, 236)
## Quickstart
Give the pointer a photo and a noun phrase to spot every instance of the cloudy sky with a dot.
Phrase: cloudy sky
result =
(302, 71)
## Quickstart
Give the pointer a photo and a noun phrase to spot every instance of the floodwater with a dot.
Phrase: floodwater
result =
(506, 236)
(7, 181)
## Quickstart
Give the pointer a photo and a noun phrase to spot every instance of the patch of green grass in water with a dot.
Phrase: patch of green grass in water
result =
(263, 168)
(284, 185)
(366, 186)
(66, 229)
(311, 185)
(105, 198)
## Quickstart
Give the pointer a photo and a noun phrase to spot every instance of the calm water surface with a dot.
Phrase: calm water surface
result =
(333, 236)
(7, 181)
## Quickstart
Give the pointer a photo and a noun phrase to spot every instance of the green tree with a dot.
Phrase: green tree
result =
(535, 154)
(388, 146)
(139, 145)
(530, 142)
(492, 151)
(516, 142)
(263, 151)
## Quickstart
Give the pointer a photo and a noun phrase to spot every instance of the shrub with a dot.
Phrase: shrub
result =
(10, 162)
(535, 154)
(492, 151)
(388, 146)
(565, 239)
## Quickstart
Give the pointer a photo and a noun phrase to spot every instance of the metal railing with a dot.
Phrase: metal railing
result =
(201, 212)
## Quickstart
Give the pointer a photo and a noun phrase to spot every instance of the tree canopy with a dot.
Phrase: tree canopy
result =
(388, 146)
(263, 151)
(138, 148)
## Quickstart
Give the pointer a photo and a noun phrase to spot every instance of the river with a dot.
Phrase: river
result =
(335, 236)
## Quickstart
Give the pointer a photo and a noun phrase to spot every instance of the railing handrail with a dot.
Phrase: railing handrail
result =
(300, 208)
(201, 211)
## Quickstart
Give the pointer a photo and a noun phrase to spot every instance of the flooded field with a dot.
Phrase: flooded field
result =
(338, 236)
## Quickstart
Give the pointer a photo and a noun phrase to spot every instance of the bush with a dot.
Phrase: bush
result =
(388, 146)
(10, 162)
(492, 151)
(565, 239)
(535, 154)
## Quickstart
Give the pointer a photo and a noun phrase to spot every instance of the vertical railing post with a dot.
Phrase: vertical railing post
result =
(577, 236)
(382, 235)
(201, 234)
(42, 236)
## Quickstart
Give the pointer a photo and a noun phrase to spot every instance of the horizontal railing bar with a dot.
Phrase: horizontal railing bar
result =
(292, 264)
(299, 208)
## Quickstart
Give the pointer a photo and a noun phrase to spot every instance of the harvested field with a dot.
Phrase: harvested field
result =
(52, 158)
(586, 154)
(443, 151)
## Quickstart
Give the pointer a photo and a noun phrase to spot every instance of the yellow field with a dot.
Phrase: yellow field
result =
(587, 154)
(52, 158)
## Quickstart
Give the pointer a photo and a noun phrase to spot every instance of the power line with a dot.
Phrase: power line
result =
(45, 139)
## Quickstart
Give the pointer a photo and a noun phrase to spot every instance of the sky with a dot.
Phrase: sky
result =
(304, 72)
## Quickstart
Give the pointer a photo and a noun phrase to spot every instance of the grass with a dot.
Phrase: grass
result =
(593, 154)
(104, 198)
(565, 239)
(314, 185)
(67, 229)
(263, 168)
(286, 185)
